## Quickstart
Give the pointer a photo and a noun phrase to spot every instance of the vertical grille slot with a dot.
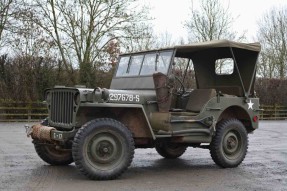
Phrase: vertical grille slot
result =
(62, 104)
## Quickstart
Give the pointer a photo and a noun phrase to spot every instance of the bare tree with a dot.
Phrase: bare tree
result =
(138, 38)
(82, 29)
(30, 40)
(273, 36)
(6, 13)
(165, 40)
(211, 22)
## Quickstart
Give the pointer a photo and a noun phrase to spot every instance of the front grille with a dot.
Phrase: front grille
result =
(62, 107)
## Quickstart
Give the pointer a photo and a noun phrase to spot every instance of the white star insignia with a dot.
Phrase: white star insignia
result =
(250, 104)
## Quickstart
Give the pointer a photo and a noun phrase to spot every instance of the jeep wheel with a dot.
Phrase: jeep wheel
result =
(230, 143)
(169, 150)
(53, 156)
(103, 149)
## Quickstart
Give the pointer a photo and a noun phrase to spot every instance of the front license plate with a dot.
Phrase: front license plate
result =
(56, 135)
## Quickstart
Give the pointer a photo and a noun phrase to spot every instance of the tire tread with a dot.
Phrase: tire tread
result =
(83, 132)
(40, 150)
(215, 150)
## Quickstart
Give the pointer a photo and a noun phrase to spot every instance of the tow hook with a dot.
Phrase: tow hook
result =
(29, 130)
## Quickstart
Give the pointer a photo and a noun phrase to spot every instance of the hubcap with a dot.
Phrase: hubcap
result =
(232, 144)
(104, 150)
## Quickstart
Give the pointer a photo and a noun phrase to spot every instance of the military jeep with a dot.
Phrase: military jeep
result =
(149, 106)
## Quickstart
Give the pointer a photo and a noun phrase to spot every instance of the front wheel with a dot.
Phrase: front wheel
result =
(103, 149)
(230, 143)
(52, 155)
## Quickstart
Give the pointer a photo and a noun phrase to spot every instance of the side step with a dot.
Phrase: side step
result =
(183, 132)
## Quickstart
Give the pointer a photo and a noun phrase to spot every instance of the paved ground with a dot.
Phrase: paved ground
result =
(264, 168)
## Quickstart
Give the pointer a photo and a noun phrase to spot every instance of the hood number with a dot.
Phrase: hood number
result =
(124, 97)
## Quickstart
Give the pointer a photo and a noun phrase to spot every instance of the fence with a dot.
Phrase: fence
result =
(35, 111)
(22, 112)
(274, 112)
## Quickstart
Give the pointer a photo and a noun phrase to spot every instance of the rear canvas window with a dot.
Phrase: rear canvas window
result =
(224, 66)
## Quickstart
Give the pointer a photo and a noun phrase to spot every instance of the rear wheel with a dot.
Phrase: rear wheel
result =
(230, 143)
(169, 150)
(103, 149)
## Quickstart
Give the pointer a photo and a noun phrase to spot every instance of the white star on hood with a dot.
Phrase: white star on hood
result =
(250, 104)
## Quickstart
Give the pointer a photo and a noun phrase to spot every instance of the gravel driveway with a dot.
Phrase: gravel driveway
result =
(264, 168)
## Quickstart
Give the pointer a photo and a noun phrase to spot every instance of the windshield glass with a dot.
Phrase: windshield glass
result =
(156, 62)
(148, 66)
(123, 65)
(144, 64)
(163, 61)
(135, 65)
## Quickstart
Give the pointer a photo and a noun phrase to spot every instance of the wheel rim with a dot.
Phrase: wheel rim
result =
(104, 150)
(232, 144)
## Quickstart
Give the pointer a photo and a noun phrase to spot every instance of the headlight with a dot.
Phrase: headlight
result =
(105, 94)
(77, 98)
(100, 95)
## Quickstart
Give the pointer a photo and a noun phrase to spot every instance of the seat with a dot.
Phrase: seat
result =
(198, 98)
(231, 90)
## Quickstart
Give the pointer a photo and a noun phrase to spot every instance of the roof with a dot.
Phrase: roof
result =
(219, 44)
(208, 45)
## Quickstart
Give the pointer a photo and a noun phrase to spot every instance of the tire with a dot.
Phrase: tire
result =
(52, 156)
(169, 150)
(103, 149)
(229, 146)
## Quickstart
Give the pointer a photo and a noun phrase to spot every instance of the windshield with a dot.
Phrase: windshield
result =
(144, 64)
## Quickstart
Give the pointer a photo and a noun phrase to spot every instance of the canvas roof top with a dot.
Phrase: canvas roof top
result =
(219, 44)
(208, 45)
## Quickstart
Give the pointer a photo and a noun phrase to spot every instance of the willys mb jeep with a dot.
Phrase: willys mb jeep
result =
(149, 106)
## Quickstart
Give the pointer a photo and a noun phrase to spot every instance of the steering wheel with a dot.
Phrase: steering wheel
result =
(182, 88)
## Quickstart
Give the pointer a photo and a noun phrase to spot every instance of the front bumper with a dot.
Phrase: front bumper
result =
(50, 134)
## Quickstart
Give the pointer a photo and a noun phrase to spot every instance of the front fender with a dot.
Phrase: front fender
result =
(122, 112)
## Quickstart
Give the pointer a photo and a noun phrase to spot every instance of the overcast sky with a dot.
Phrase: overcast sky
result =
(169, 15)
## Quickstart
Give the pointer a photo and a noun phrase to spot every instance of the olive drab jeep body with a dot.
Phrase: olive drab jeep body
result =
(149, 106)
